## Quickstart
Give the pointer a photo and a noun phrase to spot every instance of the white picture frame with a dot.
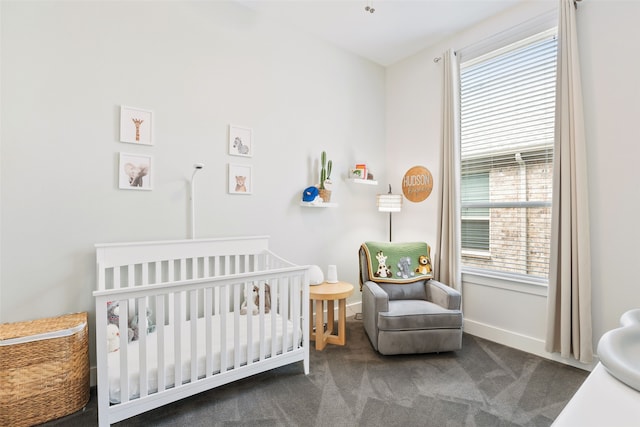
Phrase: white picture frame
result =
(240, 141)
(135, 172)
(136, 125)
(240, 179)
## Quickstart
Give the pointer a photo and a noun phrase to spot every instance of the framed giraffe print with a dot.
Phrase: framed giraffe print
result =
(240, 141)
(136, 125)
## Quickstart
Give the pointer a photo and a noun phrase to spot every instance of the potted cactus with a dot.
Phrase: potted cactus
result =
(325, 178)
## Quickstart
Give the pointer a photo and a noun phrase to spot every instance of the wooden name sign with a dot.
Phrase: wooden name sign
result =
(417, 184)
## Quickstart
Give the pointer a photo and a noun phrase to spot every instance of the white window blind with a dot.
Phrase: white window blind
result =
(507, 131)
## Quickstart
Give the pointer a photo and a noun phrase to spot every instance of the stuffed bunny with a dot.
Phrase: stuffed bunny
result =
(113, 338)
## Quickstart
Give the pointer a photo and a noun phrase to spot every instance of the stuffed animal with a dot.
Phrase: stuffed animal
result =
(404, 267)
(254, 301)
(113, 318)
(383, 269)
(424, 265)
(113, 338)
(134, 325)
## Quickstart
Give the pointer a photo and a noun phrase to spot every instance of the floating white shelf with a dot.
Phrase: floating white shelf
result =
(364, 181)
(319, 205)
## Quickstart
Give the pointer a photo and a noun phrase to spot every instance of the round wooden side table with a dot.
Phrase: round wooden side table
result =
(329, 292)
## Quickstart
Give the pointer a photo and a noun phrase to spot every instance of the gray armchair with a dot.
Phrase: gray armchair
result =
(421, 316)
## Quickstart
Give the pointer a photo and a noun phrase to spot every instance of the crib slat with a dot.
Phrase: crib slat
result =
(183, 269)
(193, 301)
(224, 309)
(284, 313)
(160, 331)
(145, 273)
(177, 339)
(170, 278)
(236, 325)
(275, 291)
(249, 319)
(142, 346)
(208, 294)
(124, 348)
(299, 304)
(261, 313)
(295, 309)
(205, 266)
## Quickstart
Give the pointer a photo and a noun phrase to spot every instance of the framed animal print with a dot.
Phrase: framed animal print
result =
(134, 172)
(240, 141)
(135, 125)
(240, 179)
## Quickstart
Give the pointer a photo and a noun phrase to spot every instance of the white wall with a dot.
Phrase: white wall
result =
(608, 34)
(66, 69)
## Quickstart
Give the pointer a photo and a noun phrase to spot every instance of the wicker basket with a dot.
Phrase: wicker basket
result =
(44, 369)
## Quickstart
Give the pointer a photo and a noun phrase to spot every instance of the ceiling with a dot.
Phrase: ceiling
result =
(396, 30)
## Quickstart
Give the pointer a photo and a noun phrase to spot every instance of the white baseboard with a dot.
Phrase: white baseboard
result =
(521, 342)
(355, 307)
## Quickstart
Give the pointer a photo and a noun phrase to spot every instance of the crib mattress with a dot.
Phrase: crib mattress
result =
(133, 351)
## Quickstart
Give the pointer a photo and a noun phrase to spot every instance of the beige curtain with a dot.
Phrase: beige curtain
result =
(569, 302)
(447, 260)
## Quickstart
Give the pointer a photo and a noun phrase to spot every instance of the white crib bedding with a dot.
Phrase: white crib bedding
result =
(133, 351)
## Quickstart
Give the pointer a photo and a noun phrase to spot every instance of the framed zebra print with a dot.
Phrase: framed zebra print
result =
(240, 141)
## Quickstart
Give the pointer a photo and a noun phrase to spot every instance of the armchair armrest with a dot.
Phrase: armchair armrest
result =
(443, 295)
(374, 301)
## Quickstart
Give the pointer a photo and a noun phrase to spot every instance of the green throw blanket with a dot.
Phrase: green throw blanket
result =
(390, 262)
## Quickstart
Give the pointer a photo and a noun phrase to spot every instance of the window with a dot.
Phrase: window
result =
(507, 132)
(475, 221)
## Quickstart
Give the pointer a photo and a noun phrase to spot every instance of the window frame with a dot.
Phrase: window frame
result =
(478, 274)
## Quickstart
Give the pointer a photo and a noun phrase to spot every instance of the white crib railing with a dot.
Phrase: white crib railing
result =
(195, 289)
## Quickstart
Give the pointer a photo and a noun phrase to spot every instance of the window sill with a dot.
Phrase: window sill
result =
(506, 281)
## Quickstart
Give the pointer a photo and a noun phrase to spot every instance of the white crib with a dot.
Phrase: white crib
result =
(187, 296)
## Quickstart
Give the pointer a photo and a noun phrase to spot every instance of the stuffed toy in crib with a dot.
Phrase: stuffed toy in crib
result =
(255, 300)
(113, 338)
(113, 318)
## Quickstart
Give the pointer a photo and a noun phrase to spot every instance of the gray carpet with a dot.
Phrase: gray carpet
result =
(484, 384)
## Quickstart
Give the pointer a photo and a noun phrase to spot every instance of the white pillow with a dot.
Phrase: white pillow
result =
(315, 275)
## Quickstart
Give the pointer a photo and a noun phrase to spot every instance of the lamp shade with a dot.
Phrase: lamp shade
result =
(389, 202)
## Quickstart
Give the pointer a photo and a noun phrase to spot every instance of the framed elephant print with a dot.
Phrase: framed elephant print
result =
(135, 172)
